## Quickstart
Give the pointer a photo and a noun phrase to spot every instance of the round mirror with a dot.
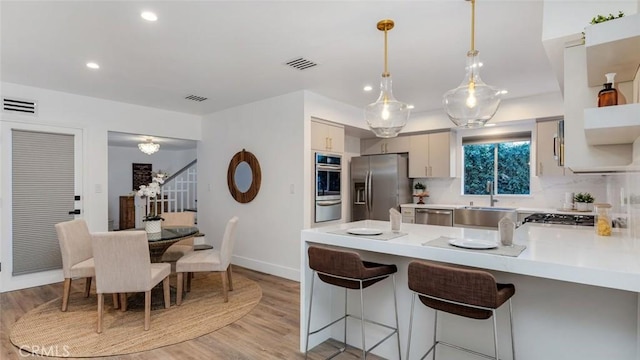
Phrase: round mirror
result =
(244, 176)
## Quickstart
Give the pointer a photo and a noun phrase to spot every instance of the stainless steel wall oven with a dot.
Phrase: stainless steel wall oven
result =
(328, 187)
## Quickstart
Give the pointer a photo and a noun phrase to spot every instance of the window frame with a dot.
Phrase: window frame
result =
(502, 131)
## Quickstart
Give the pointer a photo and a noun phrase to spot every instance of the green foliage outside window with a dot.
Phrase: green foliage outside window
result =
(513, 170)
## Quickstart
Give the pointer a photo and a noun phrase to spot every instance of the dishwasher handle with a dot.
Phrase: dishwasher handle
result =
(435, 212)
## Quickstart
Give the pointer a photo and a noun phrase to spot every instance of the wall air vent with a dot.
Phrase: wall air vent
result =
(19, 106)
(196, 98)
(301, 63)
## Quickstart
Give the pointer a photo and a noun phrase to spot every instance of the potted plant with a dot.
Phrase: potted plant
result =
(584, 201)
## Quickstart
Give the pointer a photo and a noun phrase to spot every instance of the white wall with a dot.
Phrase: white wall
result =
(95, 118)
(277, 132)
(120, 171)
(268, 235)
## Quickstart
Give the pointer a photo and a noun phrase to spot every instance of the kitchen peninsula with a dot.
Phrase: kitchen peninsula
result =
(576, 293)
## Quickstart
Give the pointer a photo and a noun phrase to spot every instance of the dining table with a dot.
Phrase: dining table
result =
(169, 235)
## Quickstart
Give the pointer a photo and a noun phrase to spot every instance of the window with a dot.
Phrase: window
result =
(504, 160)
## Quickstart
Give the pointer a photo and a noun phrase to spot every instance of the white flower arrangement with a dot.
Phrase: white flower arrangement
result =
(151, 191)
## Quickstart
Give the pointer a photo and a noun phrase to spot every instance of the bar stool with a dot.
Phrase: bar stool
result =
(464, 292)
(347, 270)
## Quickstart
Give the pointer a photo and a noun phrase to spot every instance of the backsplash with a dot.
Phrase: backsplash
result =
(622, 191)
(547, 192)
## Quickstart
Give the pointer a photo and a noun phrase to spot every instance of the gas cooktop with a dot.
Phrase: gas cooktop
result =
(561, 219)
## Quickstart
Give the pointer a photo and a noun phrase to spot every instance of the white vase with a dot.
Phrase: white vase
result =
(153, 226)
(582, 206)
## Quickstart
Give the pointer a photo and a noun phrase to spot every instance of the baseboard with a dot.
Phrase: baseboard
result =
(268, 268)
(11, 283)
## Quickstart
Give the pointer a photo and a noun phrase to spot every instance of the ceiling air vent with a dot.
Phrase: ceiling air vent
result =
(301, 63)
(196, 98)
(21, 106)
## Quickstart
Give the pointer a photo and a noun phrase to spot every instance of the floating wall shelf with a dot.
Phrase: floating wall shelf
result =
(613, 46)
(612, 125)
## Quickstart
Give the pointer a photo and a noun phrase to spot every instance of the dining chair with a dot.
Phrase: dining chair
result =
(211, 260)
(123, 265)
(77, 255)
(182, 247)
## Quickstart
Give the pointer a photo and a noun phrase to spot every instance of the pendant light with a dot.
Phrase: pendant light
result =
(149, 147)
(473, 103)
(387, 116)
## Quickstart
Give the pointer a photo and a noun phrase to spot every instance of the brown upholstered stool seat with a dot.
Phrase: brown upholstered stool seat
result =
(347, 270)
(470, 293)
(339, 267)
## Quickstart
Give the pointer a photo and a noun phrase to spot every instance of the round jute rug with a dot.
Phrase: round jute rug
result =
(48, 331)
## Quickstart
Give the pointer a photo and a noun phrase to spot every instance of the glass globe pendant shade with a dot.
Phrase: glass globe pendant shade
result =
(387, 116)
(473, 103)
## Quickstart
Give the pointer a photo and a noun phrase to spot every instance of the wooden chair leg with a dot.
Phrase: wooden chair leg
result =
(225, 286)
(189, 277)
(100, 305)
(229, 276)
(87, 286)
(116, 301)
(123, 301)
(147, 309)
(65, 293)
(180, 283)
(167, 293)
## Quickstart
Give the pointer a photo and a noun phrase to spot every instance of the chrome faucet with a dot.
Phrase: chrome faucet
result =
(492, 201)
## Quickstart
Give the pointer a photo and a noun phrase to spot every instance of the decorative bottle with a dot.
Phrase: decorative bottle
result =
(608, 96)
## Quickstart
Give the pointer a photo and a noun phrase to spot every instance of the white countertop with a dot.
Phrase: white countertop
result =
(518, 209)
(561, 252)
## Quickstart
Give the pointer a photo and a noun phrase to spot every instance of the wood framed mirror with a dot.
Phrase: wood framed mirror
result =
(244, 176)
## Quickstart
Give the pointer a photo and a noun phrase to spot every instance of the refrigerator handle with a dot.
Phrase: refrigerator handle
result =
(369, 193)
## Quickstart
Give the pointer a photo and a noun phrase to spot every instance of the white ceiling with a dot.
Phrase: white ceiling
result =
(233, 51)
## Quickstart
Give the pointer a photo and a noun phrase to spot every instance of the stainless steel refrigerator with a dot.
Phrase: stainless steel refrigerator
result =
(378, 183)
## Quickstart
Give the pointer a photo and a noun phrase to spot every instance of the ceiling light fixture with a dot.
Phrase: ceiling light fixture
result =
(473, 103)
(149, 16)
(92, 65)
(149, 147)
(387, 116)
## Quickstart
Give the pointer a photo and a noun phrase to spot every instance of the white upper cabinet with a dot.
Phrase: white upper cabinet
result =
(375, 146)
(430, 155)
(547, 148)
(327, 137)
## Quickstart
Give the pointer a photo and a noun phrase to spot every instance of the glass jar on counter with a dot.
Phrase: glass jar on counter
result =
(603, 219)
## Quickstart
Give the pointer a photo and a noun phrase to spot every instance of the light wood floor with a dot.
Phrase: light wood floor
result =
(269, 331)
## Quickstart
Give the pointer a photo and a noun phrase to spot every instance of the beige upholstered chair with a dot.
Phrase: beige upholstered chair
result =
(210, 260)
(182, 247)
(77, 255)
(123, 266)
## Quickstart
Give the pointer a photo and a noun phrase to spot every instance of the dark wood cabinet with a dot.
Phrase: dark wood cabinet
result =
(127, 212)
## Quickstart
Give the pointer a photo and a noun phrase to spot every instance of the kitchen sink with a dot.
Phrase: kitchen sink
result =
(481, 217)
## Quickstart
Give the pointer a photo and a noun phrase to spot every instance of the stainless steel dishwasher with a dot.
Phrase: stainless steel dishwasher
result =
(441, 217)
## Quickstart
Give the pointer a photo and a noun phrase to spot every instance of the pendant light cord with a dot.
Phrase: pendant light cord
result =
(386, 71)
(473, 25)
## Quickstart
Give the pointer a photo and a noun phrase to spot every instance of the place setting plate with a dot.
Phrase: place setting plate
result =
(364, 231)
(473, 244)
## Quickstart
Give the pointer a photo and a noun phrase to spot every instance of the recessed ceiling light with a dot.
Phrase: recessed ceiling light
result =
(92, 65)
(410, 106)
(367, 88)
(489, 125)
(149, 16)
